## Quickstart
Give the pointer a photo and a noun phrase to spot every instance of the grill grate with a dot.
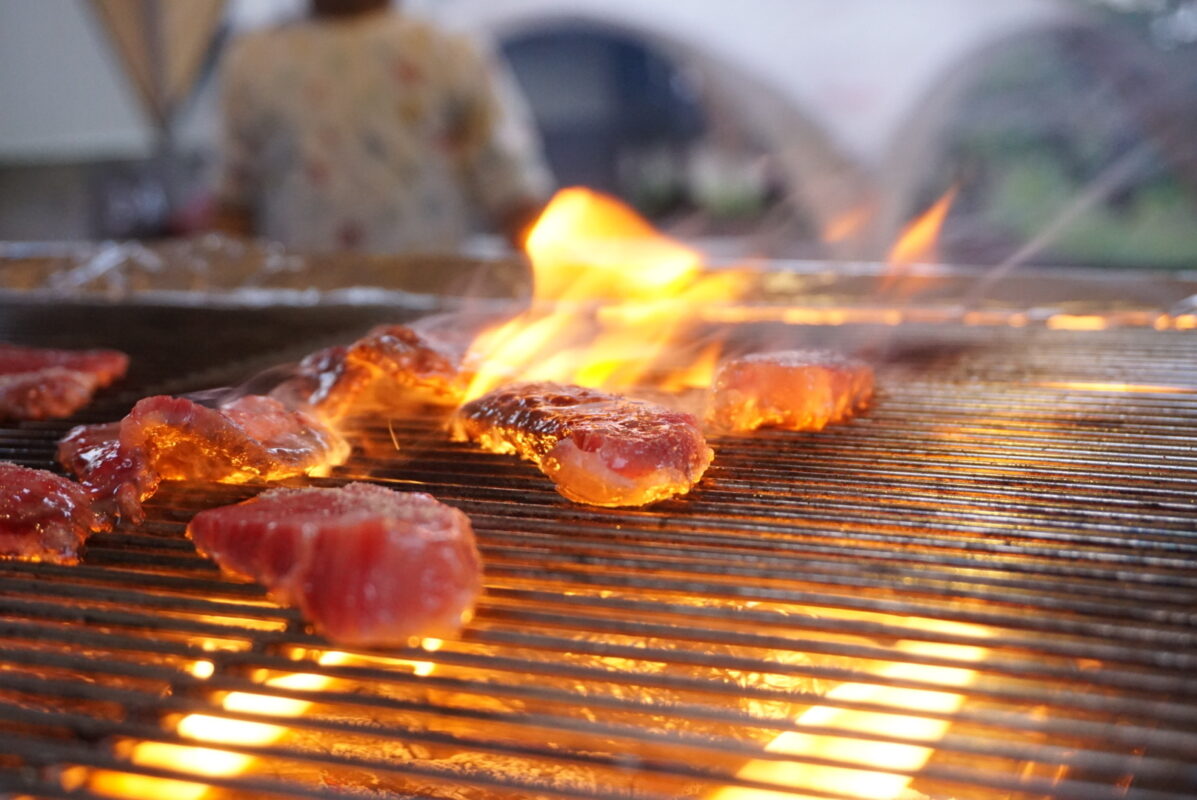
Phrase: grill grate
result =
(1004, 546)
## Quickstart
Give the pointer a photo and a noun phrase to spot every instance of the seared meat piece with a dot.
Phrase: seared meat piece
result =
(43, 516)
(36, 383)
(366, 565)
(115, 479)
(403, 357)
(324, 383)
(598, 448)
(801, 390)
(172, 438)
(376, 371)
(251, 438)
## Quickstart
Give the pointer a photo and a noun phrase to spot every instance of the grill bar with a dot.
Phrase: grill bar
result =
(1012, 524)
(1171, 741)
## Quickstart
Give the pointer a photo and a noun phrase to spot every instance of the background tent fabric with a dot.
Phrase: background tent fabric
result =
(162, 46)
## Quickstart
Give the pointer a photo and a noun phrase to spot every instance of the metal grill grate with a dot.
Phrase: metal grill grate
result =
(1005, 544)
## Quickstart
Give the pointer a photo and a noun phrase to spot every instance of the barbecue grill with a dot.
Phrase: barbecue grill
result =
(983, 587)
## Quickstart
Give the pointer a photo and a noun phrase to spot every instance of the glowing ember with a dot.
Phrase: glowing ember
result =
(202, 669)
(872, 770)
(205, 729)
(1136, 388)
(611, 294)
(1077, 322)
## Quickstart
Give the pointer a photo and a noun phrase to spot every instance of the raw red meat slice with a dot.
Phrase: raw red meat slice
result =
(173, 438)
(366, 565)
(598, 448)
(36, 383)
(801, 390)
(43, 516)
(106, 365)
(48, 393)
(378, 371)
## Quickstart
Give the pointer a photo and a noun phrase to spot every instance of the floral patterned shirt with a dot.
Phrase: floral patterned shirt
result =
(375, 133)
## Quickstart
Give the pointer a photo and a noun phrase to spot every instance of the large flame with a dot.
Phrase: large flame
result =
(611, 295)
(588, 246)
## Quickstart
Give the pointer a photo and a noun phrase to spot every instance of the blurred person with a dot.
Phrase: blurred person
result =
(362, 128)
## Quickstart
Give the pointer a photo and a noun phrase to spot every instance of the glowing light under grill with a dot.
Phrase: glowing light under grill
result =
(210, 762)
(877, 770)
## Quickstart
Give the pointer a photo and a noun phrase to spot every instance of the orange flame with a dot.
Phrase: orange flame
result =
(917, 244)
(918, 240)
(587, 246)
(611, 294)
(848, 224)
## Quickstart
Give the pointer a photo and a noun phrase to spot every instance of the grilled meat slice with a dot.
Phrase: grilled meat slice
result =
(37, 383)
(172, 438)
(366, 565)
(251, 438)
(116, 479)
(378, 371)
(324, 383)
(43, 516)
(598, 448)
(801, 390)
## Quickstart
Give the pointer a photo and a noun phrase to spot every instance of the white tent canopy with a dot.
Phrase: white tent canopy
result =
(848, 94)
(856, 68)
(162, 46)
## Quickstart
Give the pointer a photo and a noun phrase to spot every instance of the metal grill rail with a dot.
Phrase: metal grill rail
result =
(1000, 498)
